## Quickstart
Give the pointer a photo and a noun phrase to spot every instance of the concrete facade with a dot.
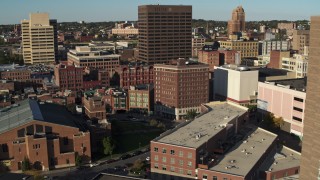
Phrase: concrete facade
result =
(246, 48)
(297, 63)
(300, 39)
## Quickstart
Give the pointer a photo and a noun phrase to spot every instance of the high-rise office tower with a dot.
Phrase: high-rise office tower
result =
(310, 160)
(237, 22)
(164, 32)
(38, 39)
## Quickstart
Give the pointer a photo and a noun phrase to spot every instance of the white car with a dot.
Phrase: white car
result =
(148, 159)
(94, 164)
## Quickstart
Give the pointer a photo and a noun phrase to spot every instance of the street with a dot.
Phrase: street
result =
(89, 173)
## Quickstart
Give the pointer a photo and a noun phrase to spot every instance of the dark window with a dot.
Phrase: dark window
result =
(21, 132)
(4, 148)
(39, 128)
(296, 118)
(215, 178)
(205, 176)
(65, 141)
(298, 99)
(164, 150)
(298, 109)
(30, 130)
(156, 149)
(48, 130)
(172, 152)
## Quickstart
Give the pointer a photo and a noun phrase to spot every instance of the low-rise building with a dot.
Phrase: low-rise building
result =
(286, 99)
(85, 56)
(141, 98)
(68, 77)
(235, 83)
(276, 58)
(94, 105)
(45, 133)
(197, 44)
(246, 48)
(297, 63)
(269, 45)
(117, 100)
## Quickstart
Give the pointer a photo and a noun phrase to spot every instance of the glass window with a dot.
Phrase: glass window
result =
(164, 150)
(172, 152)
(156, 149)
(164, 159)
(180, 153)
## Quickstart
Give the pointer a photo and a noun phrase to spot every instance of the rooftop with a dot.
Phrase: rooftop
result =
(194, 133)
(283, 158)
(106, 176)
(295, 84)
(245, 154)
(29, 110)
(266, 72)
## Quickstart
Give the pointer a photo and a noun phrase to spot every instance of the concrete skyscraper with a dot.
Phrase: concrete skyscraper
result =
(237, 22)
(165, 32)
(310, 161)
(38, 39)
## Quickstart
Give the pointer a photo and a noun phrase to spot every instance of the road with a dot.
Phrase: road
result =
(88, 173)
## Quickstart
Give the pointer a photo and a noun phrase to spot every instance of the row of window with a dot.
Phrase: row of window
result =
(172, 161)
(172, 169)
(172, 152)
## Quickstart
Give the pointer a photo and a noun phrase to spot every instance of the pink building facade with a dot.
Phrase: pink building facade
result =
(283, 101)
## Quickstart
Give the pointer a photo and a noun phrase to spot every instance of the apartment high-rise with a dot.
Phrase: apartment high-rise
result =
(165, 33)
(38, 39)
(237, 22)
(310, 161)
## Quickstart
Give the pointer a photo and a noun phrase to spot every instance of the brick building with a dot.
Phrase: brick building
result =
(141, 98)
(132, 75)
(276, 58)
(16, 75)
(179, 87)
(217, 57)
(68, 77)
(219, 144)
(45, 133)
(117, 100)
(237, 23)
(94, 106)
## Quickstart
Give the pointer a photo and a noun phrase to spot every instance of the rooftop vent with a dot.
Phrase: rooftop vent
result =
(243, 150)
(263, 139)
(198, 136)
(252, 147)
(232, 161)
(275, 163)
(245, 141)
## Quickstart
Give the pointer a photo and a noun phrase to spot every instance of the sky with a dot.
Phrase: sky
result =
(13, 11)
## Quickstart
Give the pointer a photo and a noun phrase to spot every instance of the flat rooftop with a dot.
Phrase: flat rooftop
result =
(296, 84)
(207, 125)
(266, 72)
(244, 155)
(283, 158)
(106, 176)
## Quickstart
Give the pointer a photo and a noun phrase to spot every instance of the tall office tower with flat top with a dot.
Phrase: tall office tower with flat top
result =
(164, 33)
(237, 22)
(310, 160)
(38, 39)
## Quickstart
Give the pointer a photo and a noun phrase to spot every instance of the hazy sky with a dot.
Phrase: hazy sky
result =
(12, 11)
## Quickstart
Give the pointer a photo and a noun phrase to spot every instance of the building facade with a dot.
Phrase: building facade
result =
(94, 106)
(38, 39)
(132, 75)
(300, 39)
(85, 56)
(268, 46)
(164, 33)
(310, 145)
(141, 98)
(237, 84)
(238, 21)
(44, 133)
(246, 48)
(297, 63)
(286, 99)
(276, 58)
(68, 77)
(180, 87)
(217, 57)
(197, 44)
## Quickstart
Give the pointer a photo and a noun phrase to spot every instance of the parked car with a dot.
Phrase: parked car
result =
(136, 153)
(148, 158)
(94, 164)
(125, 156)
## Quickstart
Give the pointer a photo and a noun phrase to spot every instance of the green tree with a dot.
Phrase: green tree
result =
(26, 164)
(191, 114)
(273, 122)
(108, 146)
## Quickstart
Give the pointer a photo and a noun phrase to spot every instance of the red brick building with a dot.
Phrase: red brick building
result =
(45, 133)
(276, 58)
(68, 77)
(180, 87)
(94, 105)
(23, 75)
(132, 75)
(220, 145)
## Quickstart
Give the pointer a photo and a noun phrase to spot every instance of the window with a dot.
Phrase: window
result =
(156, 158)
(181, 171)
(180, 153)
(164, 168)
(296, 118)
(156, 149)
(189, 155)
(172, 169)
(298, 99)
(189, 173)
(172, 152)
(172, 160)
(215, 178)
(181, 162)
(156, 166)
(225, 178)
(204, 176)
(189, 163)
(164, 159)
(297, 109)
(164, 150)
(65, 140)
(4, 148)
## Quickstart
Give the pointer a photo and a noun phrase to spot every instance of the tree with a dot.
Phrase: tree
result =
(138, 165)
(78, 159)
(26, 164)
(191, 114)
(153, 122)
(273, 122)
(108, 146)
(278, 122)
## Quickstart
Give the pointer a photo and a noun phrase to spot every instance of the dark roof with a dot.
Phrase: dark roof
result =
(296, 84)
(28, 110)
(106, 176)
(266, 72)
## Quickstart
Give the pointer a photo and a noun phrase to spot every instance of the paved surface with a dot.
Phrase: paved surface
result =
(88, 173)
